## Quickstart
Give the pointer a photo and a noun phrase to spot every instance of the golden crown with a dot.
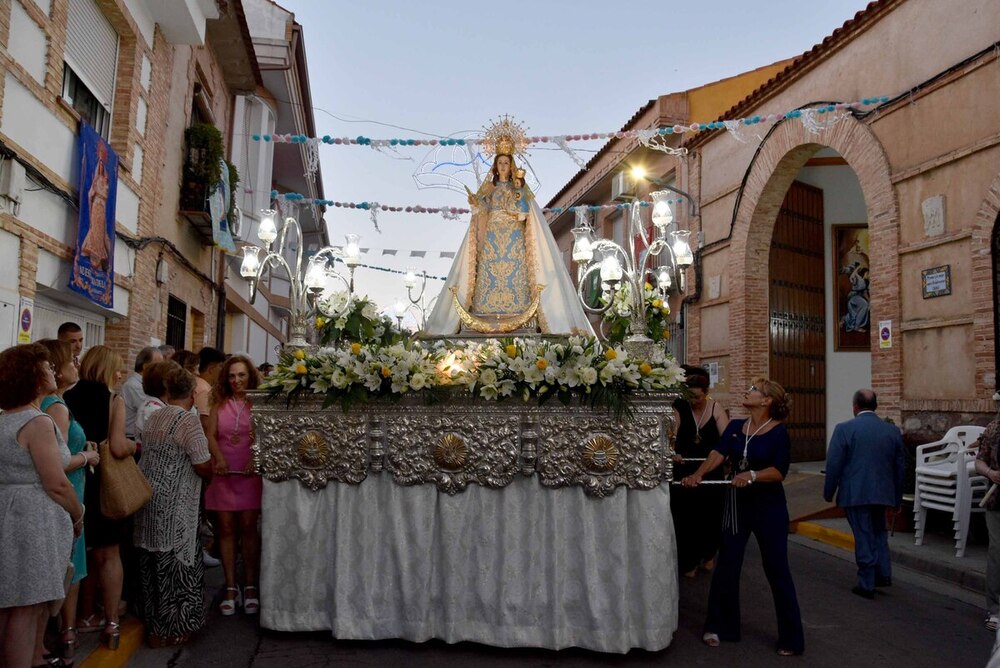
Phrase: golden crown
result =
(505, 136)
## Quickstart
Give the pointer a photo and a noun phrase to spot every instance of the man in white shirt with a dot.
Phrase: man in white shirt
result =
(132, 388)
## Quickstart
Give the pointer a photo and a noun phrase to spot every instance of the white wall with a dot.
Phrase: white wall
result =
(843, 202)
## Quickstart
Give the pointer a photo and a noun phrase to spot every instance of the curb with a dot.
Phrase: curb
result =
(967, 579)
(841, 539)
(131, 638)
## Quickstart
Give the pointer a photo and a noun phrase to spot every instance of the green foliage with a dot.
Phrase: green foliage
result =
(205, 153)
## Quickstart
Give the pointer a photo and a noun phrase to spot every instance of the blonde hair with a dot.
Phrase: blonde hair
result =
(101, 364)
(780, 400)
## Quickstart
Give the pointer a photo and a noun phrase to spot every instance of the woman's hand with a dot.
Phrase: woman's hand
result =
(692, 480)
(677, 459)
(221, 466)
(741, 480)
(250, 469)
(90, 458)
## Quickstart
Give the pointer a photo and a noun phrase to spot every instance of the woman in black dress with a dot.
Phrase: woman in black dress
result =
(758, 451)
(101, 413)
(697, 511)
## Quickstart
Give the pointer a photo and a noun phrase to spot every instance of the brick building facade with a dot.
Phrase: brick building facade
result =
(168, 65)
(918, 173)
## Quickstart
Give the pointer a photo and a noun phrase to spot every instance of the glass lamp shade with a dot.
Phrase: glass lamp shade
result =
(662, 215)
(682, 249)
(410, 278)
(583, 248)
(315, 277)
(663, 280)
(399, 308)
(352, 250)
(267, 231)
(611, 269)
(251, 261)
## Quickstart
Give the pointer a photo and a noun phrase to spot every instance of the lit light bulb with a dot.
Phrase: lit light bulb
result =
(683, 255)
(251, 261)
(400, 308)
(410, 278)
(352, 251)
(611, 269)
(267, 231)
(315, 277)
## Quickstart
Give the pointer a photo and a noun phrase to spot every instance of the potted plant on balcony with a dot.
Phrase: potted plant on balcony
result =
(201, 168)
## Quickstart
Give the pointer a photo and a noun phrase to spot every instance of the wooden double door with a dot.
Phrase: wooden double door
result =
(797, 314)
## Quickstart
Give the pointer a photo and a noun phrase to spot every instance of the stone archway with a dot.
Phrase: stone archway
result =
(781, 157)
(983, 288)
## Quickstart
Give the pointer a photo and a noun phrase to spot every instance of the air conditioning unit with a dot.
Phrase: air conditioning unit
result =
(622, 187)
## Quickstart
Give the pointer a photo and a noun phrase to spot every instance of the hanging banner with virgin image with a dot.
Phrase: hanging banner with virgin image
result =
(218, 207)
(93, 274)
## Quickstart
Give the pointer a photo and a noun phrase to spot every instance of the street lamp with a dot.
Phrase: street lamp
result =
(318, 282)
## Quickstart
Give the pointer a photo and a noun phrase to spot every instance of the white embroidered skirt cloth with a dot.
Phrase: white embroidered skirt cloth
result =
(521, 566)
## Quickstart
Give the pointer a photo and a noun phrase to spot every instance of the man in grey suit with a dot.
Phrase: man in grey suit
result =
(865, 467)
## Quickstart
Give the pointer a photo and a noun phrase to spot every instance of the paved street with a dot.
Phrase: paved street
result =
(920, 621)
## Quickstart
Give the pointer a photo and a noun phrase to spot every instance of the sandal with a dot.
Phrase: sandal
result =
(112, 635)
(69, 643)
(992, 622)
(711, 639)
(228, 605)
(90, 624)
(251, 604)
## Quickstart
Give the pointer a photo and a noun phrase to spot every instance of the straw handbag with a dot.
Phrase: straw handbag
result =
(124, 489)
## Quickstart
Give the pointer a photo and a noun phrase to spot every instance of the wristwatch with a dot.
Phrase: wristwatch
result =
(753, 476)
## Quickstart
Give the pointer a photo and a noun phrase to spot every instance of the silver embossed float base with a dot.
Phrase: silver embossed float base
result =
(462, 441)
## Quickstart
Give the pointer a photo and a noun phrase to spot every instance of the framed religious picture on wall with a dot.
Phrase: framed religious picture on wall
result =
(851, 277)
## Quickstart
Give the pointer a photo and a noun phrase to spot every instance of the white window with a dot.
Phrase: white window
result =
(91, 60)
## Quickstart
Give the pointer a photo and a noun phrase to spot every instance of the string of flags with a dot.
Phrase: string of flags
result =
(807, 115)
(451, 213)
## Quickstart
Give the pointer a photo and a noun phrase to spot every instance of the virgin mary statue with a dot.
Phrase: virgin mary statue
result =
(508, 276)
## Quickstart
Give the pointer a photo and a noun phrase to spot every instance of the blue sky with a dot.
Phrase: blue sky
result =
(417, 69)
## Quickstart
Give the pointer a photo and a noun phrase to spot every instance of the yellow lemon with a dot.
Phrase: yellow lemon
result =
(320, 321)
(511, 350)
(666, 334)
(301, 369)
(355, 348)
(645, 369)
(657, 303)
(299, 354)
(542, 363)
(610, 354)
(666, 310)
(649, 286)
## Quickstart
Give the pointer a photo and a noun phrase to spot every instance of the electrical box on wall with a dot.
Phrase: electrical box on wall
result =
(12, 178)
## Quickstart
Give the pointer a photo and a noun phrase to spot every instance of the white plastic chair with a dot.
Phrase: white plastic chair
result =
(947, 481)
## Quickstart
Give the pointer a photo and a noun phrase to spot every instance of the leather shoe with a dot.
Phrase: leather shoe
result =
(883, 581)
(864, 593)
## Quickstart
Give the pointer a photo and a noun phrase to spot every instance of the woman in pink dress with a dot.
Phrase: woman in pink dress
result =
(234, 493)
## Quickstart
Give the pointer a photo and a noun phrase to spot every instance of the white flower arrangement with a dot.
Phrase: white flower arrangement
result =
(492, 370)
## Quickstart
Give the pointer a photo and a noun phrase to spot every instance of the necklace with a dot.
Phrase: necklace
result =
(700, 422)
(234, 438)
(744, 463)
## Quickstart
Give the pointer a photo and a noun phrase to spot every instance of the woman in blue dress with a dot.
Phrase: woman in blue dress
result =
(758, 451)
(67, 375)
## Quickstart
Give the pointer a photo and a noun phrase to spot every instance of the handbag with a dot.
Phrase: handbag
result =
(124, 489)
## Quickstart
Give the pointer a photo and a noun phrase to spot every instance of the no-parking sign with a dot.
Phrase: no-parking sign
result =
(26, 315)
(885, 333)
